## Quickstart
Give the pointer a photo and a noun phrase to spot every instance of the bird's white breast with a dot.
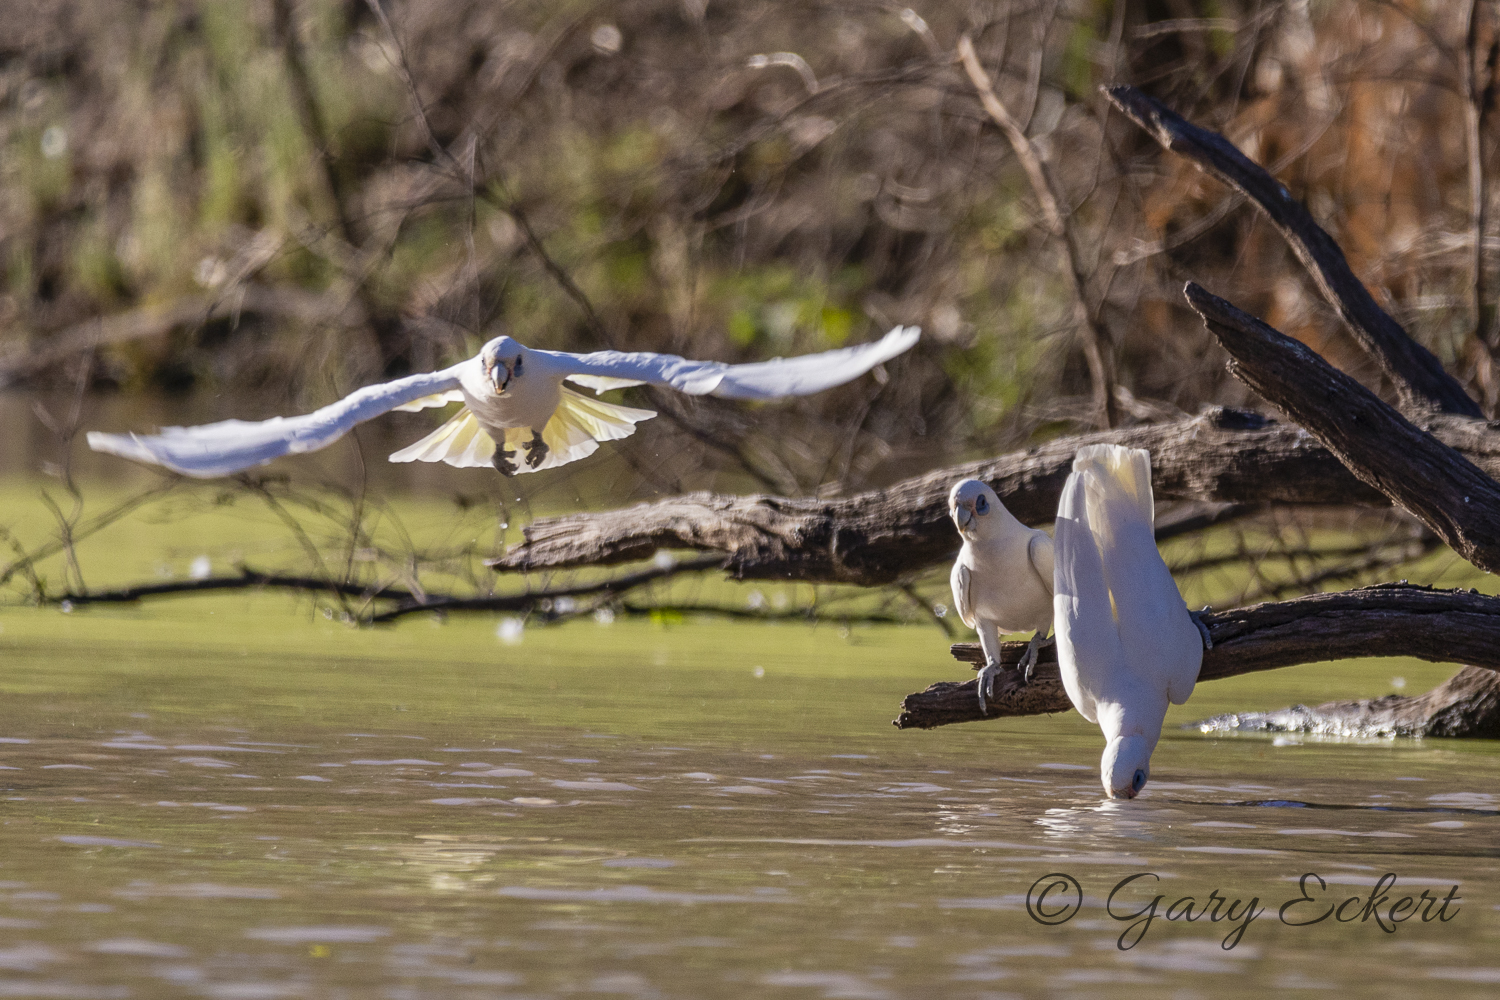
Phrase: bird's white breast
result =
(529, 400)
(1005, 588)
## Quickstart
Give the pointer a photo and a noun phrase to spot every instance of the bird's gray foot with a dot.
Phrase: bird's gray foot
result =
(1033, 653)
(987, 684)
(1197, 617)
(536, 450)
(505, 462)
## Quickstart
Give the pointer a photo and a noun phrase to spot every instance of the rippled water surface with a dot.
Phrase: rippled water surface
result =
(233, 798)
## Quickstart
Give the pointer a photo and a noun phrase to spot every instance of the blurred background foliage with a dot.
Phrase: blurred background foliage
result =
(257, 206)
(243, 197)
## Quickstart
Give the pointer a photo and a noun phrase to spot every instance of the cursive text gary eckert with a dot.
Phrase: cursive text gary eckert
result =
(1056, 898)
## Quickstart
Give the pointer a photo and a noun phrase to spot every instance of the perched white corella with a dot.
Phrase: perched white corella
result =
(1126, 643)
(514, 402)
(1002, 579)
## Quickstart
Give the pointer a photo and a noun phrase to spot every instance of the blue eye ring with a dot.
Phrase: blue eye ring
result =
(1139, 781)
(982, 505)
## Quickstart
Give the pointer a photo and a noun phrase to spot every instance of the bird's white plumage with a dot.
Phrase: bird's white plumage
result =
(1002, 579)
(1126, 644)
(529, 411)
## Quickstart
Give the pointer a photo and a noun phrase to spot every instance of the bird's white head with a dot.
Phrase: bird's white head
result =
(974, 507)
(503, 361)
(1126, 765)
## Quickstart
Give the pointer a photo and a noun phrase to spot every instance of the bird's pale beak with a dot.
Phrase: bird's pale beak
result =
(499, 383)
(963, 515)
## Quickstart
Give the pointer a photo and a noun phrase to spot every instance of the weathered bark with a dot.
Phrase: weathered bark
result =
(1466, 704)
(1447, 492)
(1416, 372)
(1219, 456)
(1400, 619)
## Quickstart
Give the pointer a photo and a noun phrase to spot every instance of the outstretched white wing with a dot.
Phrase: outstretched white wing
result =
(232, 445)
(799, 376)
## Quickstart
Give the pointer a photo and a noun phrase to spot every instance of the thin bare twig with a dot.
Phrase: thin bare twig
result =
(1097, 349)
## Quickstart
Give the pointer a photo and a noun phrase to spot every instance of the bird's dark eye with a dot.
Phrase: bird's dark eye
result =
(518, 366)
(982, 506)
(1139, 779)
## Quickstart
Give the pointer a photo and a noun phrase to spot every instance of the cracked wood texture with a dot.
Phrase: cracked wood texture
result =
(1388, 620)
(874, 538)
(1419, 377)
(1442, 488)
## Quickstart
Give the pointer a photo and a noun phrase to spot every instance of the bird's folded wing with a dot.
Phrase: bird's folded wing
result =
(232, 445)
(799, 376)
(1039, 552)
(460, 441)
(1089, 653)
(962, 580)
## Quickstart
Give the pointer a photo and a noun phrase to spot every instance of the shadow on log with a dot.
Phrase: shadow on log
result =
(1395, 619)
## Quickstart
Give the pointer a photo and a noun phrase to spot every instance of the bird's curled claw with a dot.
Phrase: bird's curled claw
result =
(536, 450)
(986, 681)
(1197, 617)
(503, 461)
(1033, 654)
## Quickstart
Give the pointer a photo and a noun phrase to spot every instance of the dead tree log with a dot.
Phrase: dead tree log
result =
(1447, 492)
(1417, 374)
(1466, 704)
(1388, 620)
(1220, 457)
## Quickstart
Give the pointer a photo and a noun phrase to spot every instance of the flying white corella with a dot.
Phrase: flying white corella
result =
(514, 401)
(1002, 580)
(1126, 642)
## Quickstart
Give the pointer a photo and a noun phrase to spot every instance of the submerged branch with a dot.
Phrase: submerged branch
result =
(1441, 626)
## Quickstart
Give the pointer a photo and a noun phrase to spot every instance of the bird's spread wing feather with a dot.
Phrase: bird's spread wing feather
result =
(436, 399)
(460, 441)
(603, 383)
(963, 602)
(233, 445)
(1158, 637)
(573, 432)
(799, 376)
(577, 427)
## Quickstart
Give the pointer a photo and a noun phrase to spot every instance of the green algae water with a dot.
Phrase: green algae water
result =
(235, 797)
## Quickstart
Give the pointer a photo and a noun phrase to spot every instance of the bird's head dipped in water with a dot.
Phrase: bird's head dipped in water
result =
(974, 507)
(503, 361)
(1126, 765)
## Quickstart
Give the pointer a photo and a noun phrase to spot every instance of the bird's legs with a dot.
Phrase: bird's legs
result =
(536, 449)
(989, 641)
(1197, 617)
(1034, 649)
(504, 461)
